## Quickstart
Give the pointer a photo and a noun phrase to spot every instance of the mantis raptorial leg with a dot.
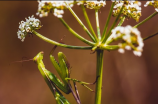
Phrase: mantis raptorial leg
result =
(50, 79)
(64, 64)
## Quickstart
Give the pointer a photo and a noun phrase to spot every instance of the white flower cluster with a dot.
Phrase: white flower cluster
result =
(92, 4)
(131, 39)
(153, 3)
(131, 9)
(44, 7)
(27, 27)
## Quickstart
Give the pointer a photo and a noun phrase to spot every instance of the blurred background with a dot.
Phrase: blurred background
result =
(127, 79)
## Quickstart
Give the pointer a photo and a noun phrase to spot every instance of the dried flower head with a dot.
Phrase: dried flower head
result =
(153, 3)
(45, 7)
(27, 27)
(131, 9)
(131, 39)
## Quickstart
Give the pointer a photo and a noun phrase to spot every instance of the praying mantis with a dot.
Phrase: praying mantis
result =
(63, 69)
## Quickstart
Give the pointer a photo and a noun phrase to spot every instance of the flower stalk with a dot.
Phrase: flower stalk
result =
(145, 20)
(60, 44)
(108, 20)
(97, 24)
(88, 22)
(80, 22)
(76, 34)
(150, 36)
(121, 21)
(117, 18)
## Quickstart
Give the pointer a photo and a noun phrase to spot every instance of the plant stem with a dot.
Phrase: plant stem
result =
(97, 24)
(150, 36)
(76, 34)
(80, 22)
(121, 21)
(117, 18)
(88, 22)
(108, 20)
(59, 44)
(109, 47)
(99, 74)
(152, 15)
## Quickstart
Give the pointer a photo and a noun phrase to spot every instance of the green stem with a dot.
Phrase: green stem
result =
(121, 21)
(60, 44)
(80, 22)
(108, 20)
(97, 24)
(109, 47)
(99, 75)
(88, 22)
(117, 18)
(152, 15)
(150, 36)
(76, 34)
(109, 40)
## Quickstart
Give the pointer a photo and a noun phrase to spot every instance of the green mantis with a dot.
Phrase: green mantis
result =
(50, 79)
(63, 69)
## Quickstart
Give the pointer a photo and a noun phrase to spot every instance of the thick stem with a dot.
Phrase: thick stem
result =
(99, 74)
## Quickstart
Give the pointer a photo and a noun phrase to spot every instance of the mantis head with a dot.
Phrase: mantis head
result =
(38, 57)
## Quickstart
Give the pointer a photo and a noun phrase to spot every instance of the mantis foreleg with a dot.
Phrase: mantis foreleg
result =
(50, 79)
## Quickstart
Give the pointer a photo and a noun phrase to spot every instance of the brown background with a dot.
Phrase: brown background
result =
(127, 79)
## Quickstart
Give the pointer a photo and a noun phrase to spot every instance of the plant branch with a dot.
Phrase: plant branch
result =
(88, 22)
(152, 15)
(80, 22)
(117, 18)
(107, 22)
(97, 24)
(121, 21)
(109, 47)
(76, 34)
(150, 36)
(60, 44)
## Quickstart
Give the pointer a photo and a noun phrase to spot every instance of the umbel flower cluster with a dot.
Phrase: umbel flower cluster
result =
(131, 39)
(27, 27)
(131, 9)
(58, 7)
(153, 3)
(44, 7)
(130, 36)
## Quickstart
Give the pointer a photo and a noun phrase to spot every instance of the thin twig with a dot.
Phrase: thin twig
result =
(150, 36)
